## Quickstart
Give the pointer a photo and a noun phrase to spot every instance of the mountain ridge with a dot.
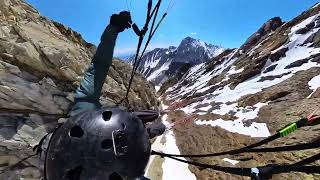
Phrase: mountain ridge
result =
(160, 63)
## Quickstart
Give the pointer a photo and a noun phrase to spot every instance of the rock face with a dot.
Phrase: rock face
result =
(41, 64)
(246, 94)
(266, 28)
(161, 63)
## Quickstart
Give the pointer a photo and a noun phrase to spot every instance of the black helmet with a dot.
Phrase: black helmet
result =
(107, 144)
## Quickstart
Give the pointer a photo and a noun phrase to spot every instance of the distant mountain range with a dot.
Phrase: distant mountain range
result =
(161, 63)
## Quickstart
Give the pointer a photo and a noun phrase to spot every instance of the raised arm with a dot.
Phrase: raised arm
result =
(88, 93)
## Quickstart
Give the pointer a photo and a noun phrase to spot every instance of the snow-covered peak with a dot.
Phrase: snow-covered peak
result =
(161, 63)
(191, 44)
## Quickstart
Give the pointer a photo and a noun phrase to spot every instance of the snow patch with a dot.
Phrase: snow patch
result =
(233, 162)
(205, 108)
(254, 130)
(314, 84)
(234, 71)
(170, 167)
(249, 112)
(303, 24)
(243, 115)
(189, 109)
(159, 71)
(157, 88)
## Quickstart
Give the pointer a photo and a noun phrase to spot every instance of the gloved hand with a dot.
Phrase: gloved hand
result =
(121, 21)
(155, 129)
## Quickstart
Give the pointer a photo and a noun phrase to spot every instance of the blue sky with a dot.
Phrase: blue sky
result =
(223, 22)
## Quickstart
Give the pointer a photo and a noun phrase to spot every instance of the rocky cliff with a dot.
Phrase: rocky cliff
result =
(41, 64)
(243, 95)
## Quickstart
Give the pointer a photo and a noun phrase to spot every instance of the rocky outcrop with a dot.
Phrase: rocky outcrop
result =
(265, 29)
(41, 64)
(275, 56)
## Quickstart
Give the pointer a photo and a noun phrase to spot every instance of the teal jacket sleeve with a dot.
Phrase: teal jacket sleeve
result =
(88, 93)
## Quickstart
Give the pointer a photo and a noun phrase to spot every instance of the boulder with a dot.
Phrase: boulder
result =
(275, 56)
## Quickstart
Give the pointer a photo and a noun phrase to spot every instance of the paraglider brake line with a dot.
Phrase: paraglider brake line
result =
(151, 15)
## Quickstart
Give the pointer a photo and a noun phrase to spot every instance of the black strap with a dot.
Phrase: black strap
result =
(235, 151)
(37, 148)
(46, 153)
(141, 37)
(18, 163)
(310, 145)
(300, 123)
(264, 171)
(297, 167)
(138, 58)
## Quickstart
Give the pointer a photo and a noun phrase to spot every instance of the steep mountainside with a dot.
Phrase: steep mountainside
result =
(161, 63)
(41, 64)
(246, 94)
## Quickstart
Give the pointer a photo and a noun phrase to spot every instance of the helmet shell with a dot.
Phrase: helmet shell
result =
(98, 145)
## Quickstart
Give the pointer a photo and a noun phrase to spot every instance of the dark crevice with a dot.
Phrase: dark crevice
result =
(27, 112)
(245, 158)
(278, 95)
(75, 173)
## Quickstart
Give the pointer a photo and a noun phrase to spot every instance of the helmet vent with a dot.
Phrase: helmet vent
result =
(107, 115)
(74, 174)
(123, 126)
(76, 131)
(115, 176)
(106, 144)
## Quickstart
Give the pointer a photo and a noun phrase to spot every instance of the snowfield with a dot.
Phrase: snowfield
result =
(227, 97)
(314, 84)
(254, 130)
(159, 71)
